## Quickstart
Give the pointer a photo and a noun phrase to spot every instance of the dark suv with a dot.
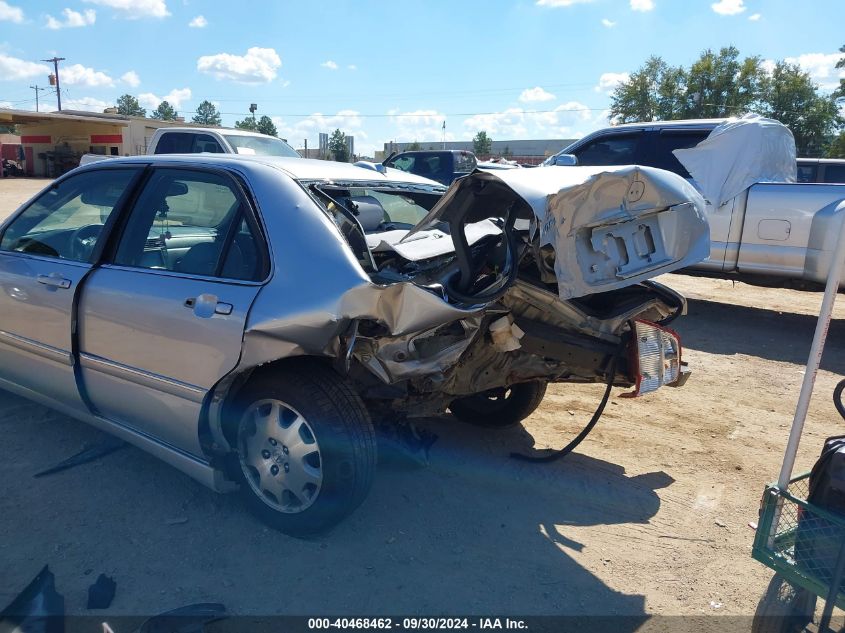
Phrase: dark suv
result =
(651, 144)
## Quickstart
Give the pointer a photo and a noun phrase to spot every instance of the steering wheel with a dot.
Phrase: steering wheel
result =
(83, 240)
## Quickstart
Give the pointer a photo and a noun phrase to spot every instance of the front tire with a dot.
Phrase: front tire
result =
(784, 608)
(306, 448)
(500, 408)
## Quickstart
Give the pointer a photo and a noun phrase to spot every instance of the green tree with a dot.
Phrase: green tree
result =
(337, 146)
(792, 99)
(164, 112)
(839, 93)
(482, 144)
(507, 153)
(247, 124)
(266, 126)
(413, 147)
(129, 106)
(207, 114)
(836, 149)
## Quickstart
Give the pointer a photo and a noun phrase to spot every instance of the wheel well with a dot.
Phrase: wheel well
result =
(229, 416)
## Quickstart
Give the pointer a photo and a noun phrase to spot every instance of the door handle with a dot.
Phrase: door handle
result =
(205, 305)
(55, 280)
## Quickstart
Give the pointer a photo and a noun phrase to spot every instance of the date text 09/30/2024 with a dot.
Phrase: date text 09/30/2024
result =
(416, 624)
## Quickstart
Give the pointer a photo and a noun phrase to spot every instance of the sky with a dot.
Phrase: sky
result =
(391, 71)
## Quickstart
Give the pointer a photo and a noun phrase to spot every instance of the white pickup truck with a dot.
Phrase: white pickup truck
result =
(195, 140)
(768, 232)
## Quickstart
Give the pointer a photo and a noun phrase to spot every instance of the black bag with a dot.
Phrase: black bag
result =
(818, 541)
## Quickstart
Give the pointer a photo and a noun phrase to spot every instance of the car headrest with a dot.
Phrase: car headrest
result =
(370, 212)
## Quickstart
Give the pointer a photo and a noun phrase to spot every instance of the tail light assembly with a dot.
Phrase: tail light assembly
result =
(655, 358)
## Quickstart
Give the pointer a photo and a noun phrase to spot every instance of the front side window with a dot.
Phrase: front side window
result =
(616, 150)
(834, 173)
(67, 219)
(190, 222)
(404, 163)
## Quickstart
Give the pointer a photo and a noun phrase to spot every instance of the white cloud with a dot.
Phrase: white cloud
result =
(568, 120)
(352, 67)
(131, 78)
(754, 17)
(418, 125)
(259, 65)
(198, 22)
(329, 64)
(642, 5)
(728, 7)
(560, 3)
(175, 98)
(135, 9)
(13, 69)
(609, 81)
(531, 95)
(73, 19)
(309, 127)
(9, 13)
(88, 104)
(608, 23)
(79, 75)
(821, 67)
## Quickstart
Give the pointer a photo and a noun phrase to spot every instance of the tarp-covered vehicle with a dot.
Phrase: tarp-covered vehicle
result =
(248, 318)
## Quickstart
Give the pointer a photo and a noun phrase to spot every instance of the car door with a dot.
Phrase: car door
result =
(45, 253)
(162, 320)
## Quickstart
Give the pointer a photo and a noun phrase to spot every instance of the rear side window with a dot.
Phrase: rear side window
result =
(187, 143)
(834, 173)
(464, 163)
(405, 163)
(610, 150)
(807, 172)
(666, 143)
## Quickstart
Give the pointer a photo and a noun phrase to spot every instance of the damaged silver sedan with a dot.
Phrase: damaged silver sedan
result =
(248, 319)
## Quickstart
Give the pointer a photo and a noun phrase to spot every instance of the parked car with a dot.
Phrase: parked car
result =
(771, 233)
(196, 140)
(830, 170)
(443, 166)
(246, 319)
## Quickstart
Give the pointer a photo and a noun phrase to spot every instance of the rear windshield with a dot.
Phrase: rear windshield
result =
(260, 145)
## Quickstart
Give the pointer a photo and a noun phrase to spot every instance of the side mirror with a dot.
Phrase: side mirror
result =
(566, 160)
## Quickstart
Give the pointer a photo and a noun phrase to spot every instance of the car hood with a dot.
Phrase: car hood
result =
(595, 228)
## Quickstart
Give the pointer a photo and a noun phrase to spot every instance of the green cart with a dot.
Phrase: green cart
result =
(803, 543)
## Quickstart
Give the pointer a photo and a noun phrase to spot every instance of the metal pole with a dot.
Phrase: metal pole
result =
(834, 276)
(56, 61)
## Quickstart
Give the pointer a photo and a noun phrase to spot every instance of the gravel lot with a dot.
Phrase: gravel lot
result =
(650, 516)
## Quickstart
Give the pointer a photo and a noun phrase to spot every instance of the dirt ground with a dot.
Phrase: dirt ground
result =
(649, 517)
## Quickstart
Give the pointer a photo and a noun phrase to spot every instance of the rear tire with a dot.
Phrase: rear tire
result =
(306, 448)
(784, 608)
(500, 408)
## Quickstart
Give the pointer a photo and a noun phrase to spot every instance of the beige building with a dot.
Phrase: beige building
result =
(54, 142)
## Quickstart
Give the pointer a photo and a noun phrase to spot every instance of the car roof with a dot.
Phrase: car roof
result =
(296, 168)
(228, 131)
(679, 123)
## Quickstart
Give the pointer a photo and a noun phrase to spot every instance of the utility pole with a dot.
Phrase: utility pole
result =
(55, 78)
(37, 88)
(252, 108)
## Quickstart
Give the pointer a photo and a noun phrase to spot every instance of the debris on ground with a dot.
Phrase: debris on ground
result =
(101, 593)
(39, 607)
(106, 447)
